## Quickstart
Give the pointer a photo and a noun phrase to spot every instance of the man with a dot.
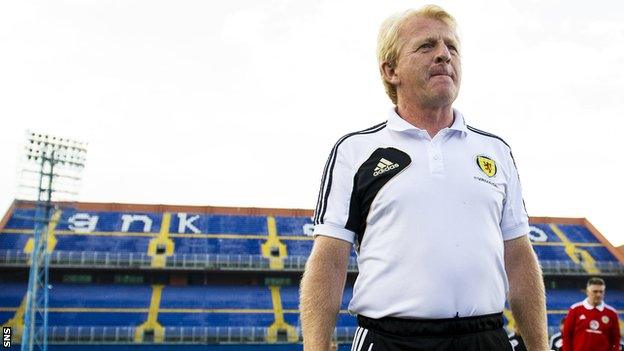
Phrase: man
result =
(556, 341)
(434, 210)
(591, 325)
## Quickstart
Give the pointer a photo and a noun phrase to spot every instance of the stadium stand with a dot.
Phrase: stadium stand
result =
(157, 275)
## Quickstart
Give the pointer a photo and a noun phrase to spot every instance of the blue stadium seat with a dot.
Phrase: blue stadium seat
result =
(100, 296)
(551, 253)
(217, 246)
(578, 233)
(101, 243)
(299, 247)
(292, 319)
(290, 297)
(553, 319)
(292, 226)
(231, 224)
(615, 298)
(95, 319)
(5, 316)
(346, 320)
(233, 319)
(19, 219)
(217, 297)
(11, 294)
(13, 241)
(562, 299)
(600, 254)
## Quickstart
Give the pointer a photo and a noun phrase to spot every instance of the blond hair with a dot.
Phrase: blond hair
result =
(388, 44)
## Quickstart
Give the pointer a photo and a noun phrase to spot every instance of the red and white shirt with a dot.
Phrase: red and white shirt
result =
(589, 328)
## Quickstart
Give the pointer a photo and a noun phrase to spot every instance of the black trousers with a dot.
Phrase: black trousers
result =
(480, 333)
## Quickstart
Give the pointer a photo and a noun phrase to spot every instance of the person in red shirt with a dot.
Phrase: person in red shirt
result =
(591, 325)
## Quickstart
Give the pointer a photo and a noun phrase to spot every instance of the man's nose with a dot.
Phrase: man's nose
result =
(443, 55)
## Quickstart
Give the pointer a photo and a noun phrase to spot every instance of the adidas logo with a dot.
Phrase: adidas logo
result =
(384, 166)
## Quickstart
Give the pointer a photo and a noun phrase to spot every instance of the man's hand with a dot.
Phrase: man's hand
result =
(526, 293)
(321, 291)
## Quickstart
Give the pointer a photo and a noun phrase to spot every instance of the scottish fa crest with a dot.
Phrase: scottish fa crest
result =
(486, 165)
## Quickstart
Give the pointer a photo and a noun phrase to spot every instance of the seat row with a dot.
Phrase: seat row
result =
(234, 246)
(191, 223)
(206, 305)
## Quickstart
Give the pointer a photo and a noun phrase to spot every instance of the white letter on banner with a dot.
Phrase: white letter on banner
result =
(187, 223)
(308, 229)
(536, 234)
(128, 219)
(83, 222)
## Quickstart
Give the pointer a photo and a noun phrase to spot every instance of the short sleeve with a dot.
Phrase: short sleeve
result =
(332, 208)
(514, 220)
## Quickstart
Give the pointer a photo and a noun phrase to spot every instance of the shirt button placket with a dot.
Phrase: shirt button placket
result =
(435, 157)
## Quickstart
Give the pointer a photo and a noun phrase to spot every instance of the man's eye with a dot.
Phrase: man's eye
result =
(426, 46)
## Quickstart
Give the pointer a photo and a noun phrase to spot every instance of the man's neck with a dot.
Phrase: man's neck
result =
(431, 119)
(591, 303)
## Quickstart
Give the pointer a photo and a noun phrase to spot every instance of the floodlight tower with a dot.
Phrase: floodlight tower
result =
(47, 158)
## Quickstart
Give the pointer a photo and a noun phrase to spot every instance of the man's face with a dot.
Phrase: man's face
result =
(595, 294)
(428, 70)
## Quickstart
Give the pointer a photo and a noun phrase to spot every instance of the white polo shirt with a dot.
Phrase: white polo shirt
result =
(428, 217)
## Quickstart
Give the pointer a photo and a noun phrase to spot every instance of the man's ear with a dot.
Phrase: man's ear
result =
(388, 72)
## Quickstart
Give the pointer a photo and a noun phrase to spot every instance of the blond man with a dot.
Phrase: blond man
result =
(434, 210)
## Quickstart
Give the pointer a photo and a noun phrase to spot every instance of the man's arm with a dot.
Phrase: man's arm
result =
(526, 293)
(615, 333)
(567, 333)
(321, 291)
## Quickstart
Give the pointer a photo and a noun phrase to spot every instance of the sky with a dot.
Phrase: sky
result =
(238, 103)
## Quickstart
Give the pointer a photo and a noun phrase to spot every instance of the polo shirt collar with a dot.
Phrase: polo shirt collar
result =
(589, 306)
(397, 123)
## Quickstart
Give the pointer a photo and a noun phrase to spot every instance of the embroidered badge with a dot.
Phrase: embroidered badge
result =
(594, 325)
(486, 165)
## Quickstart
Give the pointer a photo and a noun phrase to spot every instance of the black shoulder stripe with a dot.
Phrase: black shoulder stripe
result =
(329, 167)
(325, 189)
(478, 131)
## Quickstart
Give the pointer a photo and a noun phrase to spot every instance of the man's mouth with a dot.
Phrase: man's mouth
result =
(440, 71)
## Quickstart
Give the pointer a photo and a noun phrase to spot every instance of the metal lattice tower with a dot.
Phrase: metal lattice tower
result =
(48, 158)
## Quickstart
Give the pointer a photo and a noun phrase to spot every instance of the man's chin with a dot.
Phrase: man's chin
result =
(443, 98)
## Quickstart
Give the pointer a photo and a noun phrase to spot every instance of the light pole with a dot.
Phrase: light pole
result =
(48, 158)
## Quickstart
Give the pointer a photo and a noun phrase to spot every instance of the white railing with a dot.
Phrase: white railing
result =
(75, 334)
(174, 335)
(217, 261)
(571, 268)
(211, 335)
(186, 335)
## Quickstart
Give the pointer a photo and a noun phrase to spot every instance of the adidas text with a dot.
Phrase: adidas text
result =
(385, 169)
